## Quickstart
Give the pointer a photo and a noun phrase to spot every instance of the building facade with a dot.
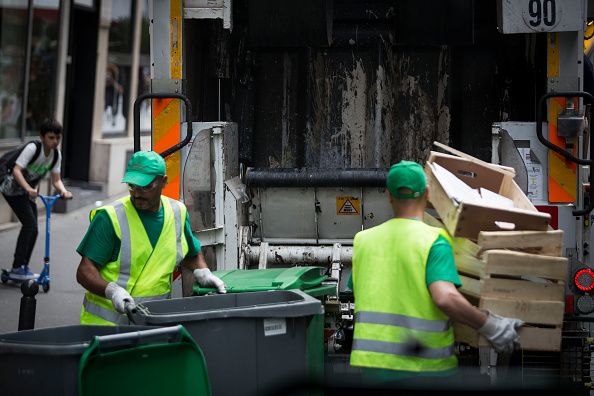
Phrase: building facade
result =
(82, 62)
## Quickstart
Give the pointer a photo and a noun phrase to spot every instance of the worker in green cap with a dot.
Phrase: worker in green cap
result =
(405, 283)
(133, 245)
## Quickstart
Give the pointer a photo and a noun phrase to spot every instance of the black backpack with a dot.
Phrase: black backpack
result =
(8, 160)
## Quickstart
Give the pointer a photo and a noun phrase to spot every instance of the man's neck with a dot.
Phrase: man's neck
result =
(409, 215)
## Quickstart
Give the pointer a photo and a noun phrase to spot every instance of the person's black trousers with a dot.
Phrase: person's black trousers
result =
(26, 211)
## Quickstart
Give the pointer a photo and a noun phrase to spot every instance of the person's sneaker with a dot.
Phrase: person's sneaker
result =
(22, 273)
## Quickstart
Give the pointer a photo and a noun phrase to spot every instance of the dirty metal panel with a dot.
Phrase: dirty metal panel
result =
(230, 150)
(286, 213)
(339, 212)
(377, 207)
(196, 181)
(364, 113)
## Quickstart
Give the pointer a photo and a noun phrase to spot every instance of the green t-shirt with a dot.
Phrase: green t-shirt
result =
(101, 244)
(440, 264)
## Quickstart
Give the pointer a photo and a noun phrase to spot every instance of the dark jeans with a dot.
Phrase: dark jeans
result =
(26, 211)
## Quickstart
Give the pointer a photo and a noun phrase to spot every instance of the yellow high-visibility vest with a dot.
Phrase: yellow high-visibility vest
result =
(143, 271)
(397, 324)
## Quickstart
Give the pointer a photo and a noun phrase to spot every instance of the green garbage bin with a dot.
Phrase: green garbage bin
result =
(160, 361)
(309, 279)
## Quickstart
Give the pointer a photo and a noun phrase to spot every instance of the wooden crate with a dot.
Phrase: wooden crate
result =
(531, 338)
(465, 219)
(515, 284)
(516, 274)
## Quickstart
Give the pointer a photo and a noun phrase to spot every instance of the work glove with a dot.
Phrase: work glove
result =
(118, 296)
(501, 332)
(205, 278)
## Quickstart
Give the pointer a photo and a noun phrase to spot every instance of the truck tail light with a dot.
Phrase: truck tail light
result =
(584, 279)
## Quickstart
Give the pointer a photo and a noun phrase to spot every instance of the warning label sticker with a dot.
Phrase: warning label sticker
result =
(348, 206)
(274, 326)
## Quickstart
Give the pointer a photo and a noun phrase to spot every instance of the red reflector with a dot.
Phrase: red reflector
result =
(569, 306)
(584, 279)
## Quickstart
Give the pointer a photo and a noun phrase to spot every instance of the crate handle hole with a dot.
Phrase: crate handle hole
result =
(466, 173)
(504, 225)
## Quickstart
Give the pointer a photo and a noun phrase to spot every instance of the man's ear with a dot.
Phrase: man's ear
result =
(390, 197)
(165, 180)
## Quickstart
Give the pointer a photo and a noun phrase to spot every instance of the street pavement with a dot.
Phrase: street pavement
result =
(61, 305)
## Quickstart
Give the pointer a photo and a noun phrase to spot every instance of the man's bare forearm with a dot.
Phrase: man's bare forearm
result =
(88, 276)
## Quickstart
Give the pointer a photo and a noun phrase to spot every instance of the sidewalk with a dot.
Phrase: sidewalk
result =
(61, 305)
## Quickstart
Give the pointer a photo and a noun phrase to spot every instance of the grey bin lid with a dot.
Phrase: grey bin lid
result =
(266, 304)
(58, 341)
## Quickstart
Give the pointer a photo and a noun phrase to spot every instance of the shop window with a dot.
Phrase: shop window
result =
(44, 59)
(117, 73)
(14, 16)
(28, 62)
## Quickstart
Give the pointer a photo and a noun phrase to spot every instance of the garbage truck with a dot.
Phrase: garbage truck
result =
(288, 115)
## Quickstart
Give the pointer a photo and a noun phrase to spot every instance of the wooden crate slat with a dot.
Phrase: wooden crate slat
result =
(470, 287)
(505, 262)
(549, 242)
(470, 265)
(531, 338)
(440, 200)
(522, 290)
(465, 246)
(473, 218)
(534, 312)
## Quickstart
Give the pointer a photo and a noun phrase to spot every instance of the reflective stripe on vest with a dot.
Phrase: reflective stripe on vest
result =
(403, 349)
(178, 229)
(126, 245)
(113, 316)
(402, 321)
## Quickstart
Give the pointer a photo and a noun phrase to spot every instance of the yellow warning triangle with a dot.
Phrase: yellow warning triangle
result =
(348, 208)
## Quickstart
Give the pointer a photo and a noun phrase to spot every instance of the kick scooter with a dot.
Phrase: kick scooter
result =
(44, 278)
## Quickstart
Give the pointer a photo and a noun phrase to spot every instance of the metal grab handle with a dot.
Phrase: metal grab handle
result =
(137, 104)
(559, 150)
(165, 334)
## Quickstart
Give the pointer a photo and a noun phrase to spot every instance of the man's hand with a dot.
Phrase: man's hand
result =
(501, 332)
(32, 193)
(118, 296)
(66, 194)
(205, 278)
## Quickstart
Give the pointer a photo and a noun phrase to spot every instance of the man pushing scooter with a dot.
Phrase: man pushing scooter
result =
(20, 172)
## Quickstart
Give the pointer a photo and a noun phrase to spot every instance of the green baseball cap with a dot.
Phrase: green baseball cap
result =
(143, 167)
(406, 174)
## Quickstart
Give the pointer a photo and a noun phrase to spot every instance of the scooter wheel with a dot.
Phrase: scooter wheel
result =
(4, 277)
(45, 287)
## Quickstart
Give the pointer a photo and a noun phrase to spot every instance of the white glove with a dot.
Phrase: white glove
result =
(118, 296)
(205, 278)
(501, 332)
